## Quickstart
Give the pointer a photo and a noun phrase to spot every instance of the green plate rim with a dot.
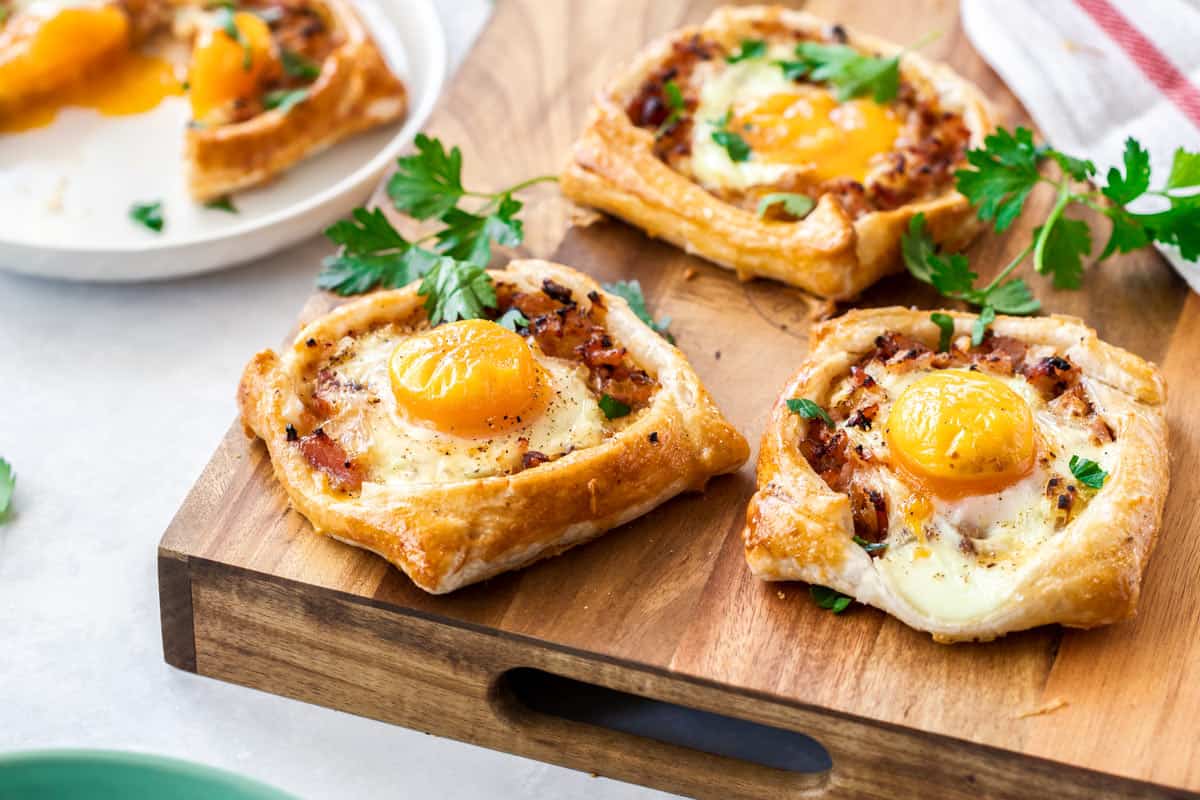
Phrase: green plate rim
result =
(136, 759)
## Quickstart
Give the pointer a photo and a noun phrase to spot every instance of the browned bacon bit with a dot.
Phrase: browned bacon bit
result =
(532, 458)
(1101, 433)
(892, 348)
(1072, 403)
(829, 455)
(1062, 496)
(1051, 376)
(327, 455)
(556, 291)
(861, 378)
(564, 330)
(862, 418)
(869, 511)
(966, 545)
(999, 354)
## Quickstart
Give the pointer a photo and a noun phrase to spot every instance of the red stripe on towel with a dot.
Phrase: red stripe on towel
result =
(1149, 59)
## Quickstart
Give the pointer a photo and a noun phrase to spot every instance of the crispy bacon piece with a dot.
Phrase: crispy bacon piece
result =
(1051, 375)
(563, 330)
(1003, 355)
(869, 511)
(328, 455)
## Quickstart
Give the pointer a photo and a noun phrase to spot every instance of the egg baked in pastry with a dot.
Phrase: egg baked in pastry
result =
(464, 450)
(971, 491)
(270, 82)
(696, 142)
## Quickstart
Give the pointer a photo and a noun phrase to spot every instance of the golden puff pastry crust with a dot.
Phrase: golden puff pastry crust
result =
(832, 252)
(1087, 573)
(445, 535)
(355, 91)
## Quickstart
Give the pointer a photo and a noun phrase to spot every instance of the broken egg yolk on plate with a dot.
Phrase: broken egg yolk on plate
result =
(54, 56)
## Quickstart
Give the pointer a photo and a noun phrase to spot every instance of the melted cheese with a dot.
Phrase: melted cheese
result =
(401, 450)
(793, 128)
(956, 560)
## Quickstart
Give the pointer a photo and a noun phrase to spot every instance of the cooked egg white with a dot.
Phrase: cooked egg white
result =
(793, 128)
(956, 559)
(400, 449)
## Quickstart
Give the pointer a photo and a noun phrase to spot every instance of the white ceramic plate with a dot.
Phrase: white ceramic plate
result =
(66, 190)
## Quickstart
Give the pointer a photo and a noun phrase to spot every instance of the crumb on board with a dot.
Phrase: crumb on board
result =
(690, 273)
(779, 593)
(580, 217)
(1049, 707)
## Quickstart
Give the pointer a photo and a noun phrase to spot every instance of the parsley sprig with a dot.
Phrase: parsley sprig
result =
(451, 261)
(830, 599)
(1005, 171)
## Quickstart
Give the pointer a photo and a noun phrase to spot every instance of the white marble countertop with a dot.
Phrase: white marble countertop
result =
(112, 399)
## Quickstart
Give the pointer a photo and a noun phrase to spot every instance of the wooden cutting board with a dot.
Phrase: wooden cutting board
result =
(665, 608)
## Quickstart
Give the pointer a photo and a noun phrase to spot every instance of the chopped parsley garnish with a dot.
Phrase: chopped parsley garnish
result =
(945, 324)
(225, 20)
(809, 410)
(987, 315)
(1088, 472)
(751, 48)
(676, 103)
(149, 215)
(870, 547)
(298, 65)
(513, 319)
(829, 599)
(612, 407)
(1002, 175)
(8, 482)
(797, 205)
(224, 203)
(848, 71)
(631, 292)
(451, 261)
(284, 100)
(733, 143)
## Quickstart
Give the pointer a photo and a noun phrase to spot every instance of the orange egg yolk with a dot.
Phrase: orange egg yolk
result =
(470, 378)
(78, 57)
(810, 126)
(224, 69)
(958, 432)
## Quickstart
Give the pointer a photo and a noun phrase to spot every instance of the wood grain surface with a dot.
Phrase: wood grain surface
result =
(665, 606)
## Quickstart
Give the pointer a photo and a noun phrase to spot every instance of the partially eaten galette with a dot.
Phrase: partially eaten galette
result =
(969, 485)
(270, 81)
(782, 145)
(473, 447)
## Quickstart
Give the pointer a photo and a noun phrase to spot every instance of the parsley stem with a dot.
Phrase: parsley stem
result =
(1039, 249)
(1004, 273)
(532, 182)
(495, 196)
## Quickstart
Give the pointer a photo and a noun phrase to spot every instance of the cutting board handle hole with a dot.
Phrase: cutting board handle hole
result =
(546, 694)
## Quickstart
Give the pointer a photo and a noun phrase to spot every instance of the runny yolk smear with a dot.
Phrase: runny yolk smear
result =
(224, 69)
(958, 433)
(810, 126)
(77, 58)
(469, 378)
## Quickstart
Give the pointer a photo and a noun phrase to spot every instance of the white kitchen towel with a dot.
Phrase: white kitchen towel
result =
(1093, 72)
